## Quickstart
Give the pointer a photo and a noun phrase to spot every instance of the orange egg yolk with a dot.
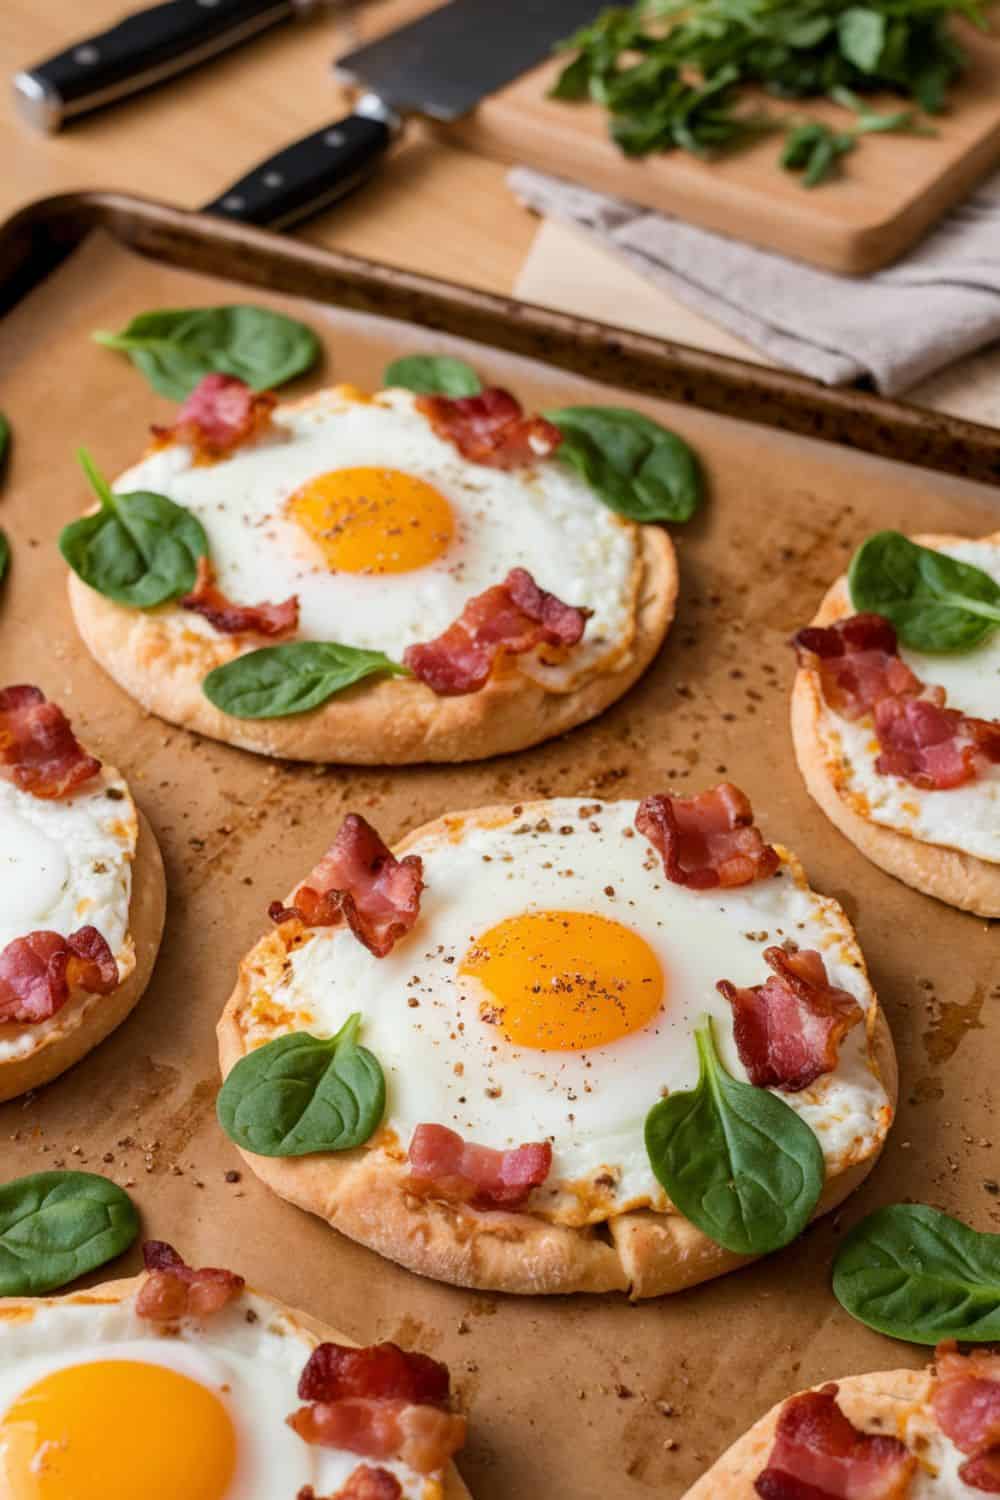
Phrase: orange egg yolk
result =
(370, 520)
(565, 981)
(116, 1430)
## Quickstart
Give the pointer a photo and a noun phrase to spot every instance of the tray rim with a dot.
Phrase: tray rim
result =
(38, 236)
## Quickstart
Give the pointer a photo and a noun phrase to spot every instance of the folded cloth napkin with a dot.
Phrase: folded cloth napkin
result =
(896, 327)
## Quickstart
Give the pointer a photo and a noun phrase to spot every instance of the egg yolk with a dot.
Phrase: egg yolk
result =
(370, 520)
(565, 981)
(116, 1430)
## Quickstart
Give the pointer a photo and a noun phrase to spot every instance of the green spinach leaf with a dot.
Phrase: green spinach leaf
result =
(176, 347)
(815, 150)
(301, 1094)
(935, 602)
(433, 375)
(638, 468)
(914, 1273)
(291, 678)
(862, 36)
(54, 1226)
(139, 549)
(735, 1160)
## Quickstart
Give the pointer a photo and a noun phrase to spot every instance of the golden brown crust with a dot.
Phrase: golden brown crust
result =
(362, 1194)
(389, 721)
(119, 1291)
(870, 1401)
(88, 1022)
(960, 879)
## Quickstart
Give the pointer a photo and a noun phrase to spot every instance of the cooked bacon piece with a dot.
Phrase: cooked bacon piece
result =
(819, 1454)
(513, 617)
(221, 414)
(933, 747)
(360, 879)
(491, 428)
(707, 840)
(789, 1028)
(273, 620)
(365, 1483)
(38, 973)
(383, 1371)
(858, 663)
(38, 750)
(173, 1290)
(422, 1436)
(442, 1165)
(966, 1403)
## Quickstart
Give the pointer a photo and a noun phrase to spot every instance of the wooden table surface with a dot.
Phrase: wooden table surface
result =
(435, 209)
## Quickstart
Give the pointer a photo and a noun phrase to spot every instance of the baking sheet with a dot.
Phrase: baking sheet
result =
(568, 1397)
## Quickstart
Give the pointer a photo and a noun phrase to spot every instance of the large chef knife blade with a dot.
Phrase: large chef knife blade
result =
(439, 66)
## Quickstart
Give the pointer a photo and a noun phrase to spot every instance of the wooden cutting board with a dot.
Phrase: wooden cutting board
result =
(893, 187)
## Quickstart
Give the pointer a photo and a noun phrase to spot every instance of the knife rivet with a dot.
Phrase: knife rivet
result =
(234, 202)
(334, 138)
(273, 179)
(87, 55)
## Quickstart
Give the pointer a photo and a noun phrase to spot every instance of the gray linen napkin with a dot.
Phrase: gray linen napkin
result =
(939, 302)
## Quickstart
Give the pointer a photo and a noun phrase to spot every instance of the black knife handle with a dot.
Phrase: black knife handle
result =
(310, 175)
(145, 48)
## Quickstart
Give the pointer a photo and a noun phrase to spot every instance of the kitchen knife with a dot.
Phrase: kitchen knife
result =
(144, 49)
(438, 66)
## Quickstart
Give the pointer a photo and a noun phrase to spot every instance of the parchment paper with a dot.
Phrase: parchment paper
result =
(588, 1398)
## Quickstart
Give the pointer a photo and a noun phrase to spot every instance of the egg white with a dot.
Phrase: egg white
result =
(250, 1355)
(65, 863)
(444, 1065)
(964, 817)
(542, 518)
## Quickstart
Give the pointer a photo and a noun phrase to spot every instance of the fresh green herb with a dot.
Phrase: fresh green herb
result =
(300, 1094)
(433, 375)
(55, 1226)
(814, 149)
(735, 1160)
(4, 556)
(291, 678)
(139, 549)
(935, 602)
(636, 466)
(175, 348)
(673, 73)
(914, 1273)
(869, 121)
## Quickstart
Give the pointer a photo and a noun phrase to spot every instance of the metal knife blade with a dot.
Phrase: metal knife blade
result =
(440, 66)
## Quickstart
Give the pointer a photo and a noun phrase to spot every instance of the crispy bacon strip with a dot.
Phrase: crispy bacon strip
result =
(930, 746)
(38, 750)
(858, 663)
(422, 1436)
(788, 1029)
(707, 840)
(966, 1401)
(511, 617)
(361, 880)
(221, 414)
(273, 620)
(365, 1483)
(38, 973)
(819, 1454)
(491, 428)
(384, 1371)
(443, 1165)
(173, 1290)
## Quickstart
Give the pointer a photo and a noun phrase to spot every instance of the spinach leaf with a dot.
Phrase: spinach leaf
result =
(935, 602)
(815, 149)
(174, 348)
(291, 678)
(861, 34)
(139, 549)
(735, 1160)
(4, 555)
(301, 1094)
(433, 375)
(54, 1226)
(634, 465)
(914, 1273)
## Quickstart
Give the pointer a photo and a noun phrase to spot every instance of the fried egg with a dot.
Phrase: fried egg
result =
(384, 531)
(65, 863)
(964, 817)
(550, 990)
(93, 1406)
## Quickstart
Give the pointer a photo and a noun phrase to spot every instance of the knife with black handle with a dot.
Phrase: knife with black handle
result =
(145, 48)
